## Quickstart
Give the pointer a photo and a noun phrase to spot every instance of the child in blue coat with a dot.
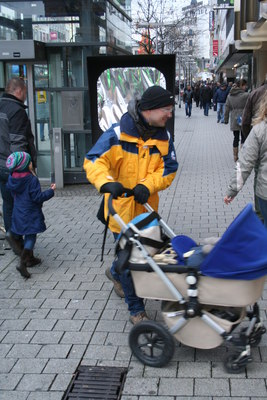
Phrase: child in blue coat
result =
(27, 216)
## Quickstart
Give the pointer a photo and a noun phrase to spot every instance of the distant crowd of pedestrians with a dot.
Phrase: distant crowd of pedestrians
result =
(232, 101)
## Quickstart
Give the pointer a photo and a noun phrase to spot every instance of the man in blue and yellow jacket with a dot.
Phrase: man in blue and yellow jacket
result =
(137, 154)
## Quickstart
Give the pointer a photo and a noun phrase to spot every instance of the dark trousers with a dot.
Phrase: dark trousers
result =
(135, 303)
(236, 138)
(206, 107)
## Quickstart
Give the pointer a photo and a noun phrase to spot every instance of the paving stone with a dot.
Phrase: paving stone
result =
(18, 337)
(77, 351)
(76, 338)
(9, 381)
(176, 387)
(248, 387)
(95, 352)
(80, 304)
(61, 382)
(212, 387)
(29, 366)
(24, 351)
(59, 366)
(68, 325)
(4, 349)
(61, 314)
(44, 337)
(194, 370)
(54, 351)
(8, 395)
(41, 324)
(36, 382)
(148, 386)
(6, 365)
(46, 396)
(33, 313)
(55, 303)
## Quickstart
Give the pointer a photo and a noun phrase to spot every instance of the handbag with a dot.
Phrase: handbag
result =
(239, 120)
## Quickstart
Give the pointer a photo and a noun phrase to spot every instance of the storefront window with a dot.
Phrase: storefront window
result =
(53, 21)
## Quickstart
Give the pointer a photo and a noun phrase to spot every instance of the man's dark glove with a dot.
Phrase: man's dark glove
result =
(141, 193)
(115, 188)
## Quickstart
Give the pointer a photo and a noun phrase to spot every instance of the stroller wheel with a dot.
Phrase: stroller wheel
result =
(151, 343)
(255, 336)
(234, 365)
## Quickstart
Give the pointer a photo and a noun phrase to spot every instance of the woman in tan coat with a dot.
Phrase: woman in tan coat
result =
(235, 104)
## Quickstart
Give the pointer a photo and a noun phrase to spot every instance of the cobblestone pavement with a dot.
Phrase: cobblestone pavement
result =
(68, 313)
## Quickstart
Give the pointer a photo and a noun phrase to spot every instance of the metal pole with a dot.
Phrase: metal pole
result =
(58, 157)
(179, 86)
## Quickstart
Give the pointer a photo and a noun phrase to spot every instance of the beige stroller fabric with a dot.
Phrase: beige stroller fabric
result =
(212, 291)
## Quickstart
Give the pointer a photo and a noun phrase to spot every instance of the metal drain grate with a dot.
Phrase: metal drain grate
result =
(96, 383)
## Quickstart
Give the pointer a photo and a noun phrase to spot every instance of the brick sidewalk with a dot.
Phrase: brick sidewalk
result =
(67, 312)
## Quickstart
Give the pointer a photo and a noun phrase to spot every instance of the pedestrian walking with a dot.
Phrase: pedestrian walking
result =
(197, 94)
(253, 152)
(220, 100)
(138, 154)
(234, 106)
(206, 96)
(188, 99)
(249, 112)
(27, 215)
(15, 135)
(215, 87)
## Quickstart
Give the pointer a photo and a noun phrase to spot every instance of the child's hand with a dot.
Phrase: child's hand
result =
(53, 186)
(228, 199)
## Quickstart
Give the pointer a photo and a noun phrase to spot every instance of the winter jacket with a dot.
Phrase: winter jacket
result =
(205, 94)
(188, 96)
(220, 96)
(27, 216)
(251, 108)
(254, 151)
(15, 129)
(121, 154)
(235, 104)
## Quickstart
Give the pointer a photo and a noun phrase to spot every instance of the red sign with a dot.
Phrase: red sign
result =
(215, 48)
(53, 35)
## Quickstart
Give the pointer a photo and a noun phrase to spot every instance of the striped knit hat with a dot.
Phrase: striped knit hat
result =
(18, 161)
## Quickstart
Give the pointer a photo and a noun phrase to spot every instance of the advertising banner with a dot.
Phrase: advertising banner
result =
(215, 48)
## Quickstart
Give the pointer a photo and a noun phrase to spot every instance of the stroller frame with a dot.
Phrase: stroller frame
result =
(152, 343)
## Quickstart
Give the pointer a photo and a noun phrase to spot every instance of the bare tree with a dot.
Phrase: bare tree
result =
(163, 30)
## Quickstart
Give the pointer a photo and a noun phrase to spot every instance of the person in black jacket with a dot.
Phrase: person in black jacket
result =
(187, 99)
(15, 135)
(206, 96)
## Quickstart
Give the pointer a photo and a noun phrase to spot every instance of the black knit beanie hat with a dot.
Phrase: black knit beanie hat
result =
(156, 97)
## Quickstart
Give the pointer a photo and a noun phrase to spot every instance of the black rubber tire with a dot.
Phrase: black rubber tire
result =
(151, 343)
(231, 367)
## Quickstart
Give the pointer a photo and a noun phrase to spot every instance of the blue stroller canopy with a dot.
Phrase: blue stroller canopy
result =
(241, 253)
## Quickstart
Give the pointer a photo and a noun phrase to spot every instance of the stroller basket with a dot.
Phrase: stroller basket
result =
(196, 333)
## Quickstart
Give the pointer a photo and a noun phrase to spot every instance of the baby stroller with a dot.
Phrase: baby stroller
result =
(202, 301)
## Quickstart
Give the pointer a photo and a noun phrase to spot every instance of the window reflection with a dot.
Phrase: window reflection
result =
(117, 86)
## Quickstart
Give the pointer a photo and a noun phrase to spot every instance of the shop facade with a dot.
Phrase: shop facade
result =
(47, 43)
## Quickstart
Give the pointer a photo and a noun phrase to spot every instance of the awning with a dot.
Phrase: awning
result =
(234, 57)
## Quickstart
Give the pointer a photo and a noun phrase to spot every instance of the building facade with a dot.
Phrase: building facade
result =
(47, 43)
(241, 35)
